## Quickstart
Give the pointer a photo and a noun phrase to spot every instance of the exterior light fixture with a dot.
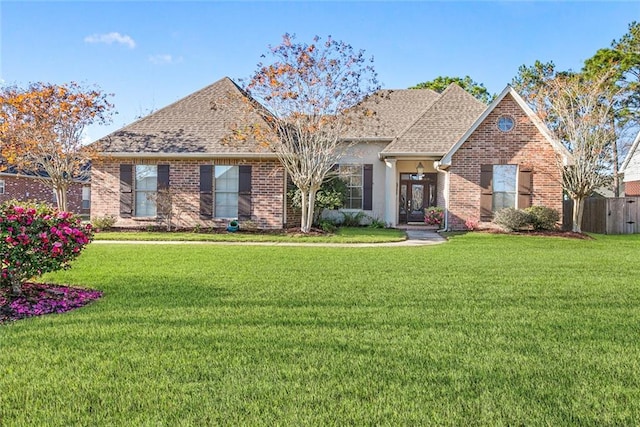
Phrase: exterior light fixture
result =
(420, 169)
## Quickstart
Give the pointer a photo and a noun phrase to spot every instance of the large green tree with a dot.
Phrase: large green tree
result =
(622, 63)
(440, 83)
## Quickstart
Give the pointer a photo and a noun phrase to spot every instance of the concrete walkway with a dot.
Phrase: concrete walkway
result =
(415, 237)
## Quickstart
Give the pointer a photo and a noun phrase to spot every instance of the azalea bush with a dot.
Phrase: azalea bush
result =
(434, 216)
(36, 239)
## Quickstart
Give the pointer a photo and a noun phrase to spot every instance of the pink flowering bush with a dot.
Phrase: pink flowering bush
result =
(434, 216)
(36, 239)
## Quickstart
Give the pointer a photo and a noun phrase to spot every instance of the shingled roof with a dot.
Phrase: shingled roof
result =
(390, 112)
(198, 123)
(441, 125)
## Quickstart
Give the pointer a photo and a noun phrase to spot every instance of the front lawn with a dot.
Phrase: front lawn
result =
(342, 235)
(483, 330)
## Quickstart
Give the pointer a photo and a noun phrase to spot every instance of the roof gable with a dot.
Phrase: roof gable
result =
(440, 126)
(198, 123)
(392, 111)
(542, 128)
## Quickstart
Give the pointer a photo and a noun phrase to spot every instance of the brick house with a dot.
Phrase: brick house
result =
(631, 169)
(418, 149)
(23, 187)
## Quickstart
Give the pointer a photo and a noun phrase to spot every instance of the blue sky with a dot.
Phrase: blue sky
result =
(149, 54)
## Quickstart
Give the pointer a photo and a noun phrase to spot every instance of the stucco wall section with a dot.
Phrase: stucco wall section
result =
(524, 145)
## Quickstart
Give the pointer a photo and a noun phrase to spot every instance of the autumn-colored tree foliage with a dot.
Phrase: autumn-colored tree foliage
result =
(311, 93)
(41, 129)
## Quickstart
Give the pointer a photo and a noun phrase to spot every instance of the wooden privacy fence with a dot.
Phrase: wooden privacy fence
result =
(619, 215)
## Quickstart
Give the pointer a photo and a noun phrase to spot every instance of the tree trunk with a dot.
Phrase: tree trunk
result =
(311, 205)
(61, 198)
(616, 179)
(304, 222)
(578, 209)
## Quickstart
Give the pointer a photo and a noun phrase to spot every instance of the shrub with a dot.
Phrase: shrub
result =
(354, 219)
(542, 217)
(377, 223)
(104, 222)
(328, 226)
(434, 216)
(331, 196)
(512, 219)
(36, 239)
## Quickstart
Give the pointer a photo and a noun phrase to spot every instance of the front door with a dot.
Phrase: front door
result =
(416, 193)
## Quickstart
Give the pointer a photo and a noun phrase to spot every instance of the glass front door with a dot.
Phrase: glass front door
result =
(416, 193)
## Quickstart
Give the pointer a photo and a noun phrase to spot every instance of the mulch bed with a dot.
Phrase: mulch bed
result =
(38, 299)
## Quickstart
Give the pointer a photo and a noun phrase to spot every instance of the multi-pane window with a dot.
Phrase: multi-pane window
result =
(504, 186)
(146, 187)
(86, 197)
(352, 175)
(2, 186)
(226, 191)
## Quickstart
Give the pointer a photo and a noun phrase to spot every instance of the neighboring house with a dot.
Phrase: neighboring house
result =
(418, 149)
(24, 187)
(631, 170)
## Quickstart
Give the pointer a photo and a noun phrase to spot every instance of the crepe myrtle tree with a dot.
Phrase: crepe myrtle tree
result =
(41, 131)
(577, 109)
(311, 94)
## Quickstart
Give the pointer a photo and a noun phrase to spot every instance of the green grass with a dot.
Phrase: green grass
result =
(484, 330)
(342, 235)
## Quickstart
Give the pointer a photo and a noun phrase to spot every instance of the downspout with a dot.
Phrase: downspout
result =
(437, 167)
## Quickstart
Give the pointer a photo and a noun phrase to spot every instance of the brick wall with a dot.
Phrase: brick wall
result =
(267, 196)
(26, 189)
(632, 188)
(523, 145)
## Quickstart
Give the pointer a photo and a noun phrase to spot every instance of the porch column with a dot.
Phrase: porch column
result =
(390, 191)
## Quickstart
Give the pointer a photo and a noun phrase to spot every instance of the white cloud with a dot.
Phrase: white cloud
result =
(164, 59)
(110, 38)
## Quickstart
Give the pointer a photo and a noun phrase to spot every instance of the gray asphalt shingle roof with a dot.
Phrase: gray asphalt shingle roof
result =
(415, 120)
(392, 110)
(198, 123)
(441, 125)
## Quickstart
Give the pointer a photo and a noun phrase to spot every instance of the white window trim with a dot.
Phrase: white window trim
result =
(136, 192)
(216, 192)
(3, 186)
(361, 186)
(517, 186)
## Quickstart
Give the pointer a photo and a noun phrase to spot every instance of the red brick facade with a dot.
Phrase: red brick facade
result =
(25, 188)
(632, 188)
(267, 192)
(524, 145)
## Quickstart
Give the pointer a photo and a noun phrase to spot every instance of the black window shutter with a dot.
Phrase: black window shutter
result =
(486, 192)
(126, 191)
(206, 191)
(525, 186)
(367, 187)
(163, 177)
(244, 192)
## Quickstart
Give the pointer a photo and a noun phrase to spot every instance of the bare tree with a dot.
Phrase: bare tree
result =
(577, 109)
(311, 94)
